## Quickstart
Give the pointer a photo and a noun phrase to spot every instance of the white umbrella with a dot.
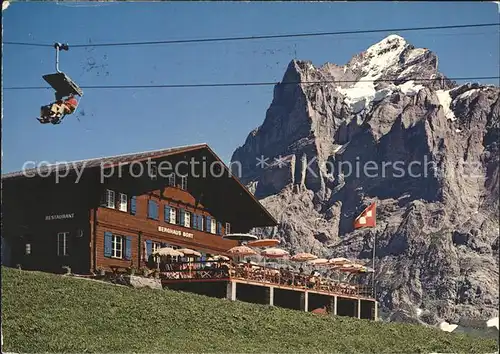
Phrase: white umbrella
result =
(303, 257)
(339, 261)
(168, 251)
(274, 253)
(242, 251)
(319, 261)
(190, 252)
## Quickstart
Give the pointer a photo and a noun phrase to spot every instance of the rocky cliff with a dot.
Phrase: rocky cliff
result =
(387, 127)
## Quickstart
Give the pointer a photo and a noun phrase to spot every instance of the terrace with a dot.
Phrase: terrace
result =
(282, 287)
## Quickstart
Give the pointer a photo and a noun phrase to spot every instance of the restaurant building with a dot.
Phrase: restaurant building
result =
(115, 211)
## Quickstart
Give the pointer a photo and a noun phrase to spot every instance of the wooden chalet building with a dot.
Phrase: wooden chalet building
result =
(104, 212)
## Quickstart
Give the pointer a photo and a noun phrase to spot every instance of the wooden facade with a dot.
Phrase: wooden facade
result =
(88, 222)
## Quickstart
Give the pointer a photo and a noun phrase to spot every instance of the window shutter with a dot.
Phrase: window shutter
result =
(128, 247)
(152, 209)
(107, 244)
(194, 218)
(208, 224)
(132, 205)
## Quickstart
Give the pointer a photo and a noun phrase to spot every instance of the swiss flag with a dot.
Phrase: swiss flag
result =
(367, 217)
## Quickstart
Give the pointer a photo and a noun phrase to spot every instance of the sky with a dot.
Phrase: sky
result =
(119, 121)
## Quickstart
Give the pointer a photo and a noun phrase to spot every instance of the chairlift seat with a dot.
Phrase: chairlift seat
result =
(62, 84)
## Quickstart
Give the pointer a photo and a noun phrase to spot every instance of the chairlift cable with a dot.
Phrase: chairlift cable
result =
(289, 35)
(236, 84)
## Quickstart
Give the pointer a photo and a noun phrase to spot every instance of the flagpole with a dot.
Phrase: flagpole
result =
(373, 264)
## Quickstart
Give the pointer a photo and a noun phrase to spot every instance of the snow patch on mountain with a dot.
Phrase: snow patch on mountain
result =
(468, 93)
(359, 96)
(410, 88)
(445, 101)
(415, 53)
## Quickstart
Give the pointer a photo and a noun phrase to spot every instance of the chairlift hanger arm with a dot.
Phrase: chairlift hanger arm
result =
(58, 47)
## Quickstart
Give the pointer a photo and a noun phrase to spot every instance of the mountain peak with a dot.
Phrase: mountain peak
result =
(392, 41)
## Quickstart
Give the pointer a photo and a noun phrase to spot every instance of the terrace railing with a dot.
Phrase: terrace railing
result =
(218, 271)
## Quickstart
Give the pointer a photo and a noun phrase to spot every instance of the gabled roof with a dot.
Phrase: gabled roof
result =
(96, 162)
(239, 197)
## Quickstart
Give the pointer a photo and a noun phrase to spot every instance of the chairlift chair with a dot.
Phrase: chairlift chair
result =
(62, 83)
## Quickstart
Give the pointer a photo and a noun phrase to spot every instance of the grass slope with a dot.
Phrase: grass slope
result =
(52, 313)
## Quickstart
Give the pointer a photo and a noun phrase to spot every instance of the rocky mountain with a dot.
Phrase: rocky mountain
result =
(387, 127)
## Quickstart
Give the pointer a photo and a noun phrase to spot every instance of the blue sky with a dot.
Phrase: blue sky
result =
(131, 120)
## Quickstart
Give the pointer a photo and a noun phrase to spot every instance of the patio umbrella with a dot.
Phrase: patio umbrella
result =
(240, 237)
(273, 253)
(339, 261)
(165, 252)
(268, 242)
(319, 262)
(168, 251)
(189, 252)
(242, 251)
(303, 257)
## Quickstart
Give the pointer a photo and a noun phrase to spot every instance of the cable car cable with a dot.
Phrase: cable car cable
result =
(243, 38)
(236, 84)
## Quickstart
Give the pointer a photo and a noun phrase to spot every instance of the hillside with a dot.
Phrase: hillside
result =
(52, 313)
(387, 127)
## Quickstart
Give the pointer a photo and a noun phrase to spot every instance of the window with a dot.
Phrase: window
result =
(219, 228)
(110, 198)
(171, 179)
(166, 213)
(208, 224)
(123, 202)
(133, 202)
(228, 228)
(173, 215)
(117, 246)
(153, 210)
(187, 219)
(62, 243)
(213, 227)
(184, 182)
(28, 248)
(182, 218)
(155, 246)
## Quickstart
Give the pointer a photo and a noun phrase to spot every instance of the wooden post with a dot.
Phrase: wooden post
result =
(335, 305)
(375, 311)
(271, 296)
(359, 308)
